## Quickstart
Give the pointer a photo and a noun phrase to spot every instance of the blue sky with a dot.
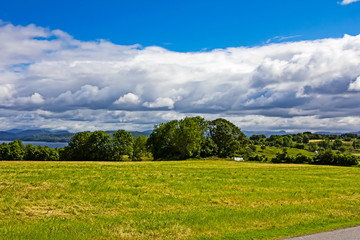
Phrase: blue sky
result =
(264, 65)
(188, 25)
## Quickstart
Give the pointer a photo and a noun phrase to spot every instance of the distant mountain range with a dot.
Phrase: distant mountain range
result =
(46, 135)
(269, 133)
(266, 133)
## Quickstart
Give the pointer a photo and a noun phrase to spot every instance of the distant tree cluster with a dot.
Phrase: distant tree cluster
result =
(84, 146)
(327, 157)
(308, 141)
(328, 149)
(17, 151)
(100, 146)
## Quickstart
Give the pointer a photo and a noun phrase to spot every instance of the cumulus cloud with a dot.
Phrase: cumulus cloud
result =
(48, 78)
(346, 2)
(128, 98)
(160, 103)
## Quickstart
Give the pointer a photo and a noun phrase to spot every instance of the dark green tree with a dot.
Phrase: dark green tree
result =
(4, 151)
(178, 139)
(123, 144)
(30, 152)
(337, 144)
(306, 139)
(208, 148)
(258, 139)
(45, 153)
(162, 140)
(17, 150)
(326, 157)
(100, 147)
(356, 144)
(139, 148)
(287, 141)
(226, 136)
(190, 136)
(78, 148)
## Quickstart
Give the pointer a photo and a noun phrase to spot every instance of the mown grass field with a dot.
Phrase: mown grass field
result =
(203, 199)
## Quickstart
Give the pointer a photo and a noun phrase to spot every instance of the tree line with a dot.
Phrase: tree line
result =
(191, 137)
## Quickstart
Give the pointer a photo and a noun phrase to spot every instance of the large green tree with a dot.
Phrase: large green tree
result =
(178, 139)
(17, 150)
(227, 136)
(190, 134)
(78, 148)
(100, 147)
(162, 140)
(123, 144)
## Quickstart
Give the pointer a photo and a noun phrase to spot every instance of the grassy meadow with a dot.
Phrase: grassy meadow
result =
(199, 199)
(270, 152)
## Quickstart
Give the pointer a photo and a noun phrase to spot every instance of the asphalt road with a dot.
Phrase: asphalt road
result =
(352, 233)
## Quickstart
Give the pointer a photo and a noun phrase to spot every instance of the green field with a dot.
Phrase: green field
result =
(270, 152)
(174, 200)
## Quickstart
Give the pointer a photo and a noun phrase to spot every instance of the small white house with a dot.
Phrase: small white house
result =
(238, 159)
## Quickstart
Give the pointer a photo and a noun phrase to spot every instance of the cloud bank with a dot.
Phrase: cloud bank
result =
(49, 79)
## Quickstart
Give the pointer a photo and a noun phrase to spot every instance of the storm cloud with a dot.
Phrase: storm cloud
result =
(49, 79)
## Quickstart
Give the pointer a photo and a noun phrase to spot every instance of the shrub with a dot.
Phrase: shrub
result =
(301, 158)
(325, 157)
(300, 146)
(258, 158)
(346, 160)
(282, 157)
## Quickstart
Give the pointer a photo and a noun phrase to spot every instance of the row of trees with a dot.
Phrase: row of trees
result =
(17, 151)
(303, 141)
(84, 146)
(327, 157)
(191, 137)
(99, 146)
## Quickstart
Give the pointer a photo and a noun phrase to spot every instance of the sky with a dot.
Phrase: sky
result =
(263, 65)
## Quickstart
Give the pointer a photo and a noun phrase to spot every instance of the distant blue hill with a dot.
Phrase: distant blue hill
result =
(47, 135)
(4, 134)
(15, 130)
(266, 133)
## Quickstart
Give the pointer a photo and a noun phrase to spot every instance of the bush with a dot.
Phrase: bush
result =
(300, 146)
(346, 160)
(301, 158)
(328, 157)
(282, 157)
(258, 158)
(252, 147)
(325, 157)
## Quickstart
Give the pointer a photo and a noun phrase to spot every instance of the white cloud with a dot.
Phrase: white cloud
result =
(355, 86)
(346, 2)
(160, 103)
(281, 38)
(128, 98)
(5, 92)
(94, 83)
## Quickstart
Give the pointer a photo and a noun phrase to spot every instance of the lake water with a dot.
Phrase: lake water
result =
(49, 144)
